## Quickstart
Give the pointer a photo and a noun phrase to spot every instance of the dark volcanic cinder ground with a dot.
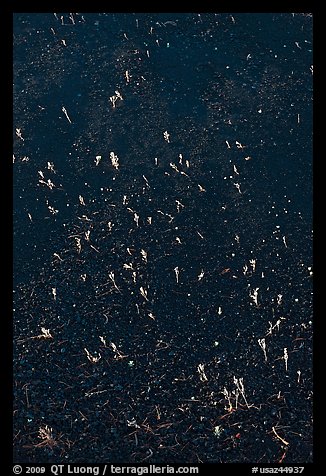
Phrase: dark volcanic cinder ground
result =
(163, 238)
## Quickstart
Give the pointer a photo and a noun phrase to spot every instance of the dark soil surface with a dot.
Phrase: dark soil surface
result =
(163, 238)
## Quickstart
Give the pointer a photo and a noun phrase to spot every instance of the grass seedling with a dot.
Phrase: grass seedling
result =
(237, 186)
(111, 276)
(46, 435)
(64, 110)
(144, 255)
(117, 354)
(201, 275)
(240, 386)
(166, 136)
(136, 219)
(254, 296)
(286, 358)
(227, 396)
(19, 134)
(176, 270)
(143, 292)
(93, 359)
(201, 371)
(114, 160)
(78, 244)
(217, 431)
(262, 344)
(253, 264)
